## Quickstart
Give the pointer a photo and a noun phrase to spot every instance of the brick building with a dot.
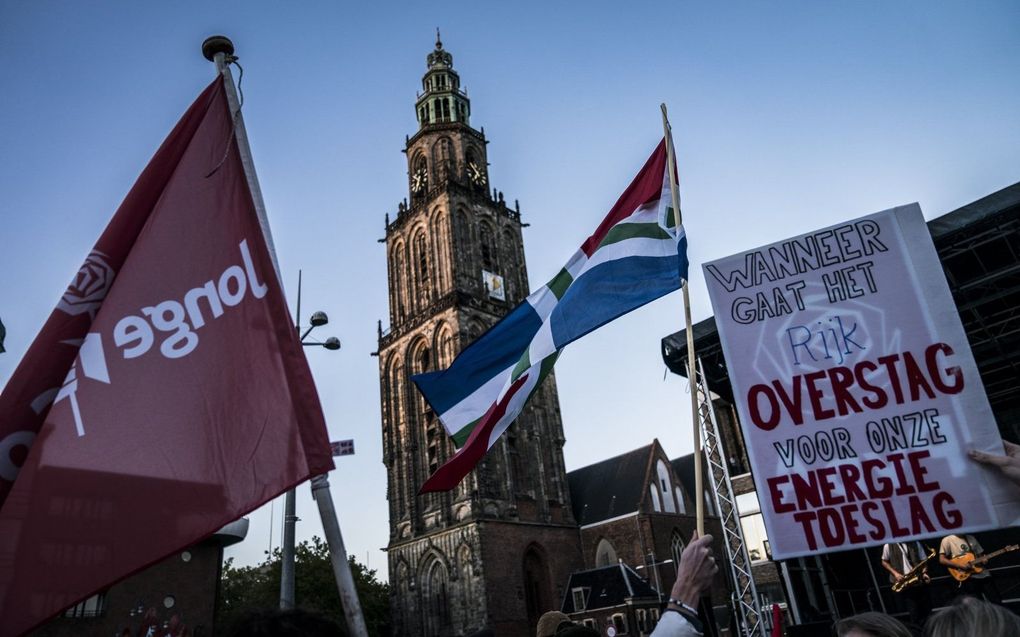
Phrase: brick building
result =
(613, 595)
(182, 589)
(638, 510)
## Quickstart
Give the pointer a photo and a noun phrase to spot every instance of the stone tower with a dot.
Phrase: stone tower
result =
(496, 551)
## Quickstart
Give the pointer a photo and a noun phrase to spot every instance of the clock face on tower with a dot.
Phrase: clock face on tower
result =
(419, 180)
(475, 174)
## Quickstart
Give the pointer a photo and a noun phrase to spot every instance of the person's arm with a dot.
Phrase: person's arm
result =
(1008, 465)
(694, 577)
(892, 571)
(944, 561)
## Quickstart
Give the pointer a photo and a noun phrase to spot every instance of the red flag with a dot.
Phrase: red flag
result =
(181, 398)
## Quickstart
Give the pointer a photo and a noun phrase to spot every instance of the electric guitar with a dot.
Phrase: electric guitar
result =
(975, 562)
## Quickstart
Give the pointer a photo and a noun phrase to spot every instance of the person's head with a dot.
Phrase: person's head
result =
(971, 616)
(550, 622)
(871, 625)
(286, 623)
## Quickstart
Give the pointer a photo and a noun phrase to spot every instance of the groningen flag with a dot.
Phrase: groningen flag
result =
(637, 254)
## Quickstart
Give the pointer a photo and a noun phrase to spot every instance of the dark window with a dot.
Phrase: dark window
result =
(488, 249)
(94, 606)
(423, 260)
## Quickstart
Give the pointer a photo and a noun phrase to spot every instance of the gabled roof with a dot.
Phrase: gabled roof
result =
(609, 488)
(606, 587)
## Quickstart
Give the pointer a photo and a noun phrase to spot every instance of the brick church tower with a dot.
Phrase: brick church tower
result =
(496, 551)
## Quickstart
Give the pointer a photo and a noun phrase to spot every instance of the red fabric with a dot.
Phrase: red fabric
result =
(163, 440)
(467, 457)
(28, 394)
(777, 621)
(645, 187)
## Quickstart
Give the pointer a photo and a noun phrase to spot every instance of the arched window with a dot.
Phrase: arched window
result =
(441, 267)
(665, 486)
(605, 554)
(443, 157)
(537, 593)
(656, 502)
(681, 506)
(444, 347)
(404, 587)
(676, 547)
(467, 578)
(461, 233)
(488, 248)
(434, 599)
(398, 262)
(424, 282)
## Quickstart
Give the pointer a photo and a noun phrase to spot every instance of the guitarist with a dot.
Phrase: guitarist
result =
(899, 558)
(978, 584)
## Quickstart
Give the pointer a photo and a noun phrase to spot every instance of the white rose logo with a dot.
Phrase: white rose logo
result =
(89, 287)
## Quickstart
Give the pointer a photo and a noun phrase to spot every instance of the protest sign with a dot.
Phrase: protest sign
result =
(856, 388)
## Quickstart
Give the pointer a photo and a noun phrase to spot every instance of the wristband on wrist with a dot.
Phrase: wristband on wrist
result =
(686, 607)
(678, 607)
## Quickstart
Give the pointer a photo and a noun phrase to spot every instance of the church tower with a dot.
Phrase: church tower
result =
(496, 551)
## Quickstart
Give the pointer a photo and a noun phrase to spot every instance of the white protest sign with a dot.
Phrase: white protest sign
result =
(856, 388)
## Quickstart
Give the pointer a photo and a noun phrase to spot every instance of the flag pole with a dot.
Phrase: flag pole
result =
(220, 49)
(674, 189)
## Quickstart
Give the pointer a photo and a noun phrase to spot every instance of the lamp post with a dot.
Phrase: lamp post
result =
(652, 564)
(290, 518)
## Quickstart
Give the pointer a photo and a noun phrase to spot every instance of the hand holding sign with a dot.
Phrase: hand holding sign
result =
(1008, 465)
(856, 388)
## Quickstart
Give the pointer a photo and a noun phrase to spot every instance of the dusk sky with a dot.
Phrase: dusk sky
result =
(787, 116)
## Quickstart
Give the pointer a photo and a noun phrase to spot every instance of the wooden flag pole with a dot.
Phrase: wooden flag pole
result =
(674, 189)
(220, 50)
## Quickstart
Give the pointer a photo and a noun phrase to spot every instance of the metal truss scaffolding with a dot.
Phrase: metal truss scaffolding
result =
(745, 595)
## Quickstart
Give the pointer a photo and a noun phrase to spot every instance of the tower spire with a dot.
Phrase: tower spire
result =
(442, 101)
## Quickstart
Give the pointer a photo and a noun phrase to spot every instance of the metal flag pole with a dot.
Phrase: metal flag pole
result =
(674, 189)
(290, 517)
(220, 49)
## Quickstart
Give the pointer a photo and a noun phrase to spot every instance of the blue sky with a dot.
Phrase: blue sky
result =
(787, 116)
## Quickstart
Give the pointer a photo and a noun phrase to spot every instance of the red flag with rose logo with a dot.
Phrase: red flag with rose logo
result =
(167, 394)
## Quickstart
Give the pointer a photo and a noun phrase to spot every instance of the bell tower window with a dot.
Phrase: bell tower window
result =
(422, 254)
(488, 249)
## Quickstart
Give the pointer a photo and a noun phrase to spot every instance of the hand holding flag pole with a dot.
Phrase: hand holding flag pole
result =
(674, 189)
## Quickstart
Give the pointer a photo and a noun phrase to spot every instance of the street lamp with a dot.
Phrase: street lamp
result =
(317, 319)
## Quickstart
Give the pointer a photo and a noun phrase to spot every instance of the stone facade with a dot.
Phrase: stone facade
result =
(494, 551)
